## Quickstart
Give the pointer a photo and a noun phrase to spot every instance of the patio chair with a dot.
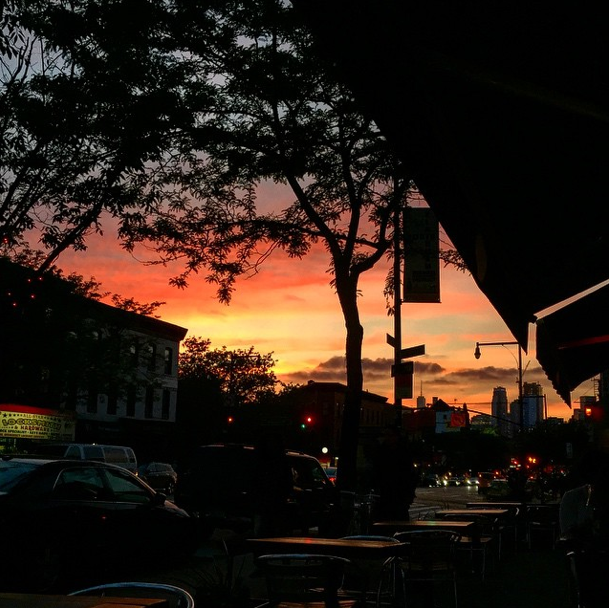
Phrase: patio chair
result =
(507, 526)
(485, 539)
(377, 580)
(428, 562)
(305, 580)
(542, 523)
(176, 596)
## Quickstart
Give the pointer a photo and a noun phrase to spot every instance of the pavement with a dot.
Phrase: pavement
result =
(535, 577)
(524, 578)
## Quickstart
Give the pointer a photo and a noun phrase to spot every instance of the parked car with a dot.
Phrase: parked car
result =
(119, 455)
(217, 486)
(61, 517)
(159, 475)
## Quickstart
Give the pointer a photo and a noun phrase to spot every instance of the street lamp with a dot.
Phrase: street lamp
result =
(477, 354)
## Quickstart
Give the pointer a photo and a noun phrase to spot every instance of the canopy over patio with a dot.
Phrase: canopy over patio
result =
(499, 111)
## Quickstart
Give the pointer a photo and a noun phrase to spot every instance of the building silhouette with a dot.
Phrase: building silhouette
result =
(113, 371)
(533, 401)
(499, 411)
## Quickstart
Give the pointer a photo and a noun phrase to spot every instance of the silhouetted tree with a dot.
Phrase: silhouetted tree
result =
(171, 122)
(279, 115)
(244, 376)
(90, 99)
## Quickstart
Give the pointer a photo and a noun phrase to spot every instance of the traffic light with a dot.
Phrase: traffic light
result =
(307, 422)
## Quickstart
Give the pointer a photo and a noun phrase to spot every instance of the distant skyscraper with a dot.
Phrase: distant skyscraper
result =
(533, 404)
(499, 410)
(420, 402)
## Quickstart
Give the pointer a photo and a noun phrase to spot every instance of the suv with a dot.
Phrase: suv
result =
(160, 476)
(217, 487)
(119, 455)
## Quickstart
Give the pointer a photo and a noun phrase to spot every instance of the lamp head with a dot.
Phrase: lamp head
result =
(477, 351)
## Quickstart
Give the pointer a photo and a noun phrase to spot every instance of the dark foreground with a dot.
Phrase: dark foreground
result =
(535, 577)
(526, 578)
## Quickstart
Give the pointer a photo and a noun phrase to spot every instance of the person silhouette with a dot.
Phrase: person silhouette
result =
(274, 482)
(393, 477)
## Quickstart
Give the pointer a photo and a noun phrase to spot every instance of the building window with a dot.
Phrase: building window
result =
(151, 357)
(134, 351)
(149, 403)
(71, 398)
(92, 401)
(112, 401)
(166, 404)
(168, 360)
(131, 399)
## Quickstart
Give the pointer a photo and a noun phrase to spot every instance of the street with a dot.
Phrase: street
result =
(453, 496)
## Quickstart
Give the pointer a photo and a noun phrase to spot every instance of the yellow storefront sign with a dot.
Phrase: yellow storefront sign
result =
(26, 422)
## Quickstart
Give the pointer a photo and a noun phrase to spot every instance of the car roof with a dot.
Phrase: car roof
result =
(240, 446)
(27, 459)
(45, 460)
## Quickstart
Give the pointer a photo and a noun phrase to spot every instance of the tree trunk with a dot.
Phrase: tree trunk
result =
(347, 479)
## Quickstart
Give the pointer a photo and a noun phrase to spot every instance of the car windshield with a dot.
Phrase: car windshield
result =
(11, 472)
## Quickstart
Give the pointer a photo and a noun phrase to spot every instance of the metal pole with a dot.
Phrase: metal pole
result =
(520, 396)
(397, 314)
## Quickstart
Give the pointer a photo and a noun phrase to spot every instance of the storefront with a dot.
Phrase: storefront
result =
(20, 424)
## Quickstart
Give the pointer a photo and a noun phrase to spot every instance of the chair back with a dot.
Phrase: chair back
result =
(485, 525)
(542, 513)
(369, 574)
(302, 577)
(428, 553)
(175, 596)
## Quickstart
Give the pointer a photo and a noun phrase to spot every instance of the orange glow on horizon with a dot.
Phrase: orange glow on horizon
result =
(289, 309)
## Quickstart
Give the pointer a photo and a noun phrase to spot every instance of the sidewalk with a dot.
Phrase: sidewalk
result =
(535, 578)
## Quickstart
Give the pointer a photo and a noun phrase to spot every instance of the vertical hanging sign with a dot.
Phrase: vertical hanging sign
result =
(403, 374)
(421, 256)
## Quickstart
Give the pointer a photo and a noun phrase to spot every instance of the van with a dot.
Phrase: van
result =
(216, 485)
(119, 455)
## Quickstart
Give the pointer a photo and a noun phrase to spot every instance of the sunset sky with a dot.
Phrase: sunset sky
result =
(290, 310)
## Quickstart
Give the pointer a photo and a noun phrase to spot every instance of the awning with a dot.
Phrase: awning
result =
(499, 110)
(573, 342)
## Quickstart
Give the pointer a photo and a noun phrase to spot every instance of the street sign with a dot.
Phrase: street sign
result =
(402, 369)
(413, 351)
(406, 353)
(403, 374)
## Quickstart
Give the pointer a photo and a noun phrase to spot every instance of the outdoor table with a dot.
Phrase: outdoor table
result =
(461, 527)
(351, 548)
(343, 547)
(36, 600)
(487, 512)
(513, 521)
(495, 505)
